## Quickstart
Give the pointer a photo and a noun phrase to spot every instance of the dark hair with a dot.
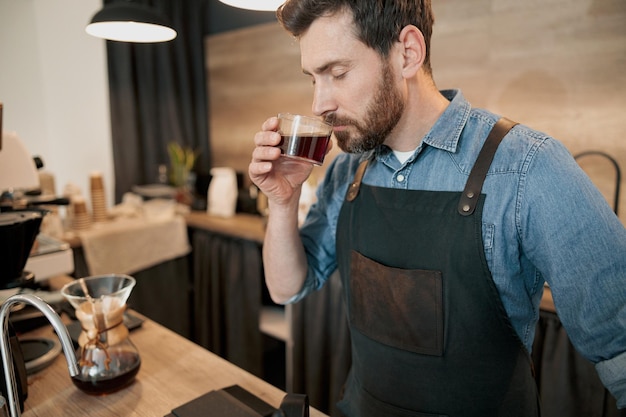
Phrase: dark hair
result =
(377, 23)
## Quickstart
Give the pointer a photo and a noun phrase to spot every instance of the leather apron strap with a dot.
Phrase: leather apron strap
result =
(474, 184)
(353, 190)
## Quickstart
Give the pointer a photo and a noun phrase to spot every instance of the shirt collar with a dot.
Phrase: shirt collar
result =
(446, 131)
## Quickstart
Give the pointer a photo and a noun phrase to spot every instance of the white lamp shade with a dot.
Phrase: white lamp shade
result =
(131, 32)
(262, 5)
(130, 22)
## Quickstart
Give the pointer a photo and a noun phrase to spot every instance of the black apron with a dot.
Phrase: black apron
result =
(430, 336)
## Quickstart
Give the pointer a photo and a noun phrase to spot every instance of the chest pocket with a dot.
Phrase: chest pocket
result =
(400, 308)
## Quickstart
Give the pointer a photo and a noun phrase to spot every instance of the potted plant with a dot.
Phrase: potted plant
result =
(182, 160)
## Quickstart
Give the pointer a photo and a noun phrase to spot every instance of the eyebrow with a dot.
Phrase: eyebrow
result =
(325, 67)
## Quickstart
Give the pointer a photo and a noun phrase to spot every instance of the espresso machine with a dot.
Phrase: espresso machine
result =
(20, 221)
(21, 244)
(18, 228)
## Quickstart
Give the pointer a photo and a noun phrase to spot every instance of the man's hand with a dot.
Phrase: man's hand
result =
(280, 179)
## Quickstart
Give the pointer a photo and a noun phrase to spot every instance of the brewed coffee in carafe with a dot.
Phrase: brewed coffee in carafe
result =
(108, 360)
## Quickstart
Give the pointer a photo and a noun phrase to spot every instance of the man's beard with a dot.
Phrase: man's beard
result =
(383, 114)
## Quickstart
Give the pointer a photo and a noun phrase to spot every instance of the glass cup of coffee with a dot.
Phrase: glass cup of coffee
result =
(304, 138)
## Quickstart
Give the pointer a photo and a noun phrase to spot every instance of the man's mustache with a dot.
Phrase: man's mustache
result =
(333, 120)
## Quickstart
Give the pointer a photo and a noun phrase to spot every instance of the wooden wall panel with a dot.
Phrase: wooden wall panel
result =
(556, 65)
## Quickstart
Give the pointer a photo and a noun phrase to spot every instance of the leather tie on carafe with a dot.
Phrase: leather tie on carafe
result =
(99, 330)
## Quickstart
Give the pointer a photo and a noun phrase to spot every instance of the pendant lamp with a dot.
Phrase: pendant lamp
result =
(130, 22)
(262, 5)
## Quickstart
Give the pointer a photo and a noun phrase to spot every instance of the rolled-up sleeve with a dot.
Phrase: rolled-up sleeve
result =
(612, 372)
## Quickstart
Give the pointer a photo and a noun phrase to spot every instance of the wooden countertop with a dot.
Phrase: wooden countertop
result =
(173, 371)
(244, 226)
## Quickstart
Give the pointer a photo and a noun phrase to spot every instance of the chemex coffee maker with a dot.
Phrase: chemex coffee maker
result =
(19, 227)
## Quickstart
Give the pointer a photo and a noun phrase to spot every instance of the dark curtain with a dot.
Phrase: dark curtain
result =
(163, 294)
(158, 95)
(228, 274)
(568, 383)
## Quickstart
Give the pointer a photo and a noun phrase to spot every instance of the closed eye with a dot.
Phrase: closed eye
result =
(336, 69)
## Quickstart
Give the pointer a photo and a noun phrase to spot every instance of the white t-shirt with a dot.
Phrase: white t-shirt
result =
(403, 156)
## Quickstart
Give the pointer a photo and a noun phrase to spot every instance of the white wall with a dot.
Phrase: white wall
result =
(53, 83)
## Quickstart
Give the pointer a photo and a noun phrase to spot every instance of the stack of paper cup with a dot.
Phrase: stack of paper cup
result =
(80, 217)
(98, 198)
(46, 183)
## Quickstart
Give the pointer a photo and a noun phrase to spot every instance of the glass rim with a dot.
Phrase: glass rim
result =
(295, 116)
(64, 290)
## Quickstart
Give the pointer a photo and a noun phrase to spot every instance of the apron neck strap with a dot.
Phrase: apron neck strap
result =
(353, 190)
(474, 185)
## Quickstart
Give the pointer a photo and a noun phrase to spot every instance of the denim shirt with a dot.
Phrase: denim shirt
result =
(543, 221)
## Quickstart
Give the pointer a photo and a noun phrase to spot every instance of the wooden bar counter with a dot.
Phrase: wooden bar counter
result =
(241, 225)
(173, 372)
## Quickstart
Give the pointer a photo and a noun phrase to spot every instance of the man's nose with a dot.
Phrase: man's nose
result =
(323, 100)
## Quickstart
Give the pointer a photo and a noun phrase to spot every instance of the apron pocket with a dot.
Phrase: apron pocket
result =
(401, 308)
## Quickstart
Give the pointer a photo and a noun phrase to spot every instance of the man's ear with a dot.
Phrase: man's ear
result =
(413, 48)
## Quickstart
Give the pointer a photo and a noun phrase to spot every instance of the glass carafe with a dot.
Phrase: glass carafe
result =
(108, 360)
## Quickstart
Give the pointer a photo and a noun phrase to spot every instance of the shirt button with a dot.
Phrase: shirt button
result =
(400, 178)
